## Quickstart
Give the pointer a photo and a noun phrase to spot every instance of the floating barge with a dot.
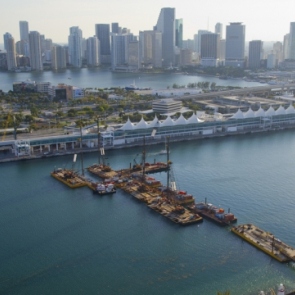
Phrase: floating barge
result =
(69, 177)
(213, 213)
(106, 172)
(151, 196)
(265, 241)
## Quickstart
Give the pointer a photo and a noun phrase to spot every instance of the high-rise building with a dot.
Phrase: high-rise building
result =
(255, 53)
(292, 41)
(115, 28)
(222, 50)
(178, 32)
(48, 44)
(185, 57)
(120, 46)
(271, 61)
(196, 42)
(22, 47)
(10, 49)
(102, 32)
(166, 25)
(278, 51)
(286, 46)
(188, 44)
(93, 51)
(219, 29)
(235, 45)
(58, 57)
(35, 51)
(133, 54)
(151, 42)
(75, 47)
(5, 37)
(24, 30)
(210, 49)
(200, 33)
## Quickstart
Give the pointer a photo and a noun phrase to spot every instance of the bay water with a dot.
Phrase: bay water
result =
(57, 240)
(103, 77)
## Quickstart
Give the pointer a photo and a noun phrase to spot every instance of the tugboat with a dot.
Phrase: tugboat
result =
(105, 189)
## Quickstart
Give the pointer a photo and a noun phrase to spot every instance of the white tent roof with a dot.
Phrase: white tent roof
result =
(238, 115)
(270, 112)
(154, 123)
(142, 124)
(290, 109)
(249, 113)
(193, 119)
(167, 122)
(260, 113)
(180, 121)
(127, 126)
(281, 111)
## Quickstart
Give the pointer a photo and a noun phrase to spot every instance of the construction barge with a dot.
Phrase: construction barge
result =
(149, 194)
(265, 241)
(69, 177)
(106, 172)
(213, 213)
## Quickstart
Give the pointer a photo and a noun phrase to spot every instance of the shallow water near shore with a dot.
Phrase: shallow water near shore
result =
(55, 240)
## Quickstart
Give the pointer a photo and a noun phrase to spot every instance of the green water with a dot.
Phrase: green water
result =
(55, 240)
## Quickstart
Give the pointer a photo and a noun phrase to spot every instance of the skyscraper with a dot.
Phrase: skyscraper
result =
(102, 32)
(178, 32)
(35, 51)
(93, 51)
(133, 54)
(166, 25)
(210, 49)
(5, 37)
(58, 57)
(219, 29)
(120, 48)
(10, 49)
(292, 41)
(115, 28)
(235, 45)
(200, 33)
(152, 48)
(75, 47)
(255, 53)
(286, 46)
(24, 30)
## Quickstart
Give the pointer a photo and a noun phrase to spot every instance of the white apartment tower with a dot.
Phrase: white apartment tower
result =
(93, 51)
(235, 45)
(10, 49)
(75, 47)
(35, 51)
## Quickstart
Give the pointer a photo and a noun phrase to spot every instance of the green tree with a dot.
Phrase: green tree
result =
(34, 111)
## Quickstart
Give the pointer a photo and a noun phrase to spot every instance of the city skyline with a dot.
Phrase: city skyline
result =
(263, 23)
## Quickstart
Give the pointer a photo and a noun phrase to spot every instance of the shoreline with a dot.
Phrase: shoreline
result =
(147, 143)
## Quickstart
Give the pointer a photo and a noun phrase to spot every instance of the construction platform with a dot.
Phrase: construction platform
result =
(265, 241)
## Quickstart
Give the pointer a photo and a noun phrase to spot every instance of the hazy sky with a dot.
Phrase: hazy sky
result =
(265, 20)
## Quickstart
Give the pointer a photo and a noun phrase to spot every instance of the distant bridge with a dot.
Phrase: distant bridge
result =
(240, 92)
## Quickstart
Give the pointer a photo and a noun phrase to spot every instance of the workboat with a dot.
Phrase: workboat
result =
(213, 213)
(105, 189)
